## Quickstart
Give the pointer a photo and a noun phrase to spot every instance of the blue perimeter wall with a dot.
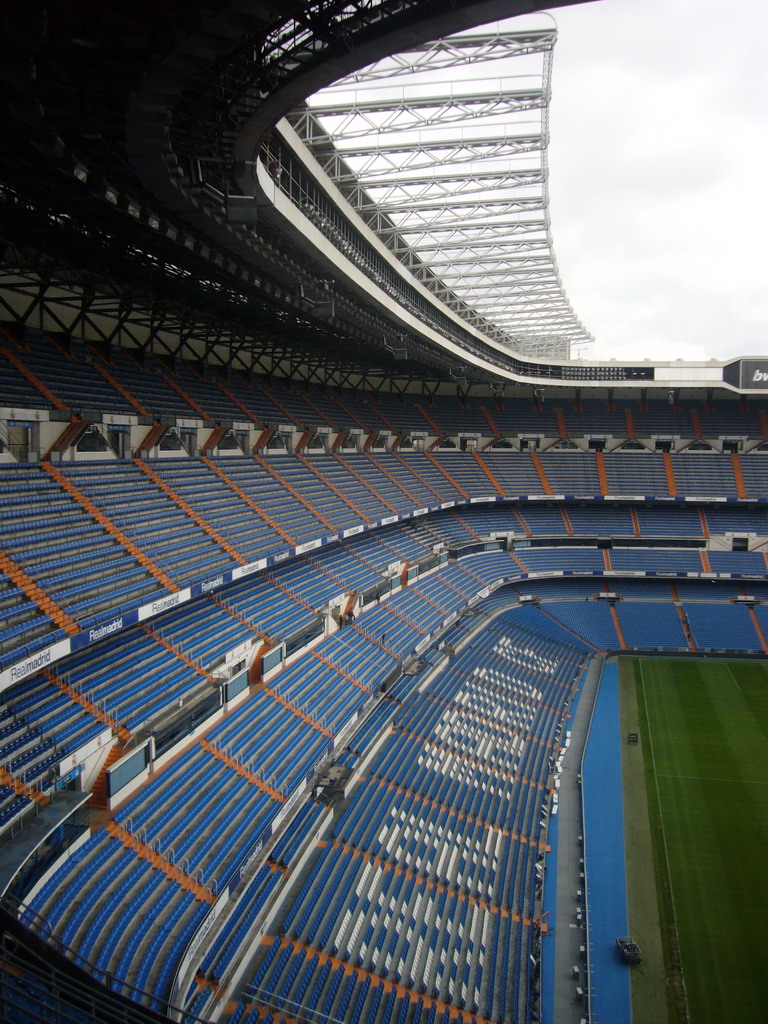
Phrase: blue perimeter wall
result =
(606, 889)
(605, 865)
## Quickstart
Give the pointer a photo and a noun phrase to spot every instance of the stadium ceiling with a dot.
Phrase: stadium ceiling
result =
(109, 112)
(443, 152)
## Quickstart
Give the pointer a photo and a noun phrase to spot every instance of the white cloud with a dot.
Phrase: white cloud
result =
(659, 147)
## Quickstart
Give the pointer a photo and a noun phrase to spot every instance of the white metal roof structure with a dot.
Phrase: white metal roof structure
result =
(443, 152)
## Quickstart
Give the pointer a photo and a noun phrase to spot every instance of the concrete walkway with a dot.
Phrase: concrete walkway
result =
(567, 928)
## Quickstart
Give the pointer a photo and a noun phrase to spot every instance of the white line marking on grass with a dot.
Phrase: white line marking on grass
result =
(733, 677)
(705, 778)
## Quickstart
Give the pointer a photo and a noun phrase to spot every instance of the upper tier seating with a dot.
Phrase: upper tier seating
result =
(194, 518)
(126, 381)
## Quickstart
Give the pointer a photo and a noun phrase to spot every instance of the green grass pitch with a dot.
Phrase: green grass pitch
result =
(704, 730)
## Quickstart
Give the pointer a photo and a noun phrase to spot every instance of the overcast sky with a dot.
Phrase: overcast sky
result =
(659, 175)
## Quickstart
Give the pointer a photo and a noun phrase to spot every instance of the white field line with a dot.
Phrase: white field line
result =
(709, 778)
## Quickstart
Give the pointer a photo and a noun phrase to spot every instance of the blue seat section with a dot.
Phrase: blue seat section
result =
(736, 419)
(374, 723)
(544, 522)
(12, 805)
(416, 483)
(255, 900)
(459, 577)
(208, 825)
(264, 602)
(195, 390)
(302, 576)
(560, 589)
(204, 814)
(647, 614)
(594, 417)
(199, 387)
(272, 496)
(20, 617)
(204, 831)
(39, 727)
(283, 403)
(529, 617)
(440, 592)
(348, 409)
(465, 525)
(221, 508)
(720, 627)
(204, 631)
(703, 474)
(393, 629)
(451, 415)
(66, 367)
(16, 390)
(430, 874)
(252, 401)
(318, 689)
(737, 520)
(669, 522)
(591, 620)
(599, 521)
(390, 411)
(539, 559)
(653, 417)
(349, 570)
(345, 477)
(88, 572)
(651, 624)
(461, 527)
(240, 925)
(418, 464)
(571, 472)
(340, 409)
(514, 471)
(514, 418)
(755, 476)
(146, 382)
(469, 474)
(665, 559)
(374, 475)
(387, 546)
(465, 470)
(635, 473)
(149, 518)
(308, 478)
(36, 708)
(737, 561)
(709, 590)
(761, 613)
(61, 547)
(303, 825)
(144, 678)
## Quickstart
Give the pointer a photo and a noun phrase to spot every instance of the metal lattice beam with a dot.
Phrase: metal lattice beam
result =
(452, 175)
(451, 52)
(365, 156)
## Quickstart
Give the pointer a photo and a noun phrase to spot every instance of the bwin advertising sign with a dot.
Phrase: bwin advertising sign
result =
(754, 374)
